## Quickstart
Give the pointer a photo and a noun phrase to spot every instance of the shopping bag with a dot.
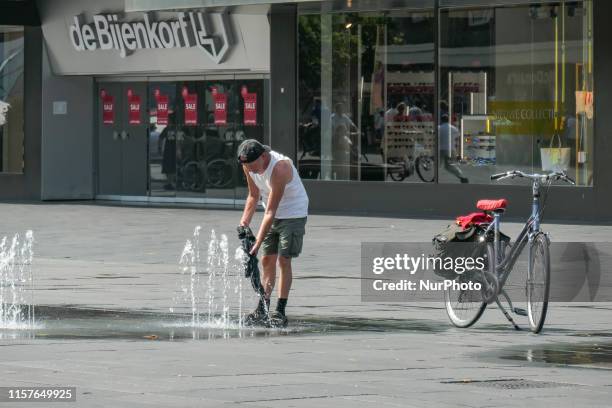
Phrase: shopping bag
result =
(580, 102)
(555, 158)
(584, 103)
(588, 105)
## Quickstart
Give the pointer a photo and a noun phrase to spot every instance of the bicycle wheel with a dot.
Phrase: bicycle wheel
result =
(538, 282)
(219, 173)
(425, 168)
(464, 307)
(192, 178)
(397, 176)
(396, 173)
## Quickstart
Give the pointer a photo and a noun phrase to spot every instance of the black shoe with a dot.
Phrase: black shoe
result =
(257, 317)
(464, 180)
(277, 319)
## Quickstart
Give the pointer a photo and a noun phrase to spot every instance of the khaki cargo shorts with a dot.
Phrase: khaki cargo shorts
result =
(285, 237)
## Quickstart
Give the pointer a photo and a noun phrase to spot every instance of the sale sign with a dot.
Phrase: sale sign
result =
(220, 101)
(133, 108)
(191, 108)
(250, 109)
(108, 108)
(162, 108)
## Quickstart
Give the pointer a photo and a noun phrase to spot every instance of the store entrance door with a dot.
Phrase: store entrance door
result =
(122, 139)
(196, 128)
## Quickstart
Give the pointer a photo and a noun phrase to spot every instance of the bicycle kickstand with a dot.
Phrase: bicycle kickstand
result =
(505, 312)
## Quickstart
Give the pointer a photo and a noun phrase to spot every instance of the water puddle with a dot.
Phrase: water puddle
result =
(79, 323)
(585, 355)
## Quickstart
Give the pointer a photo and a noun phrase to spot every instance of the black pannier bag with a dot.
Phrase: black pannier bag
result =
(455, 242)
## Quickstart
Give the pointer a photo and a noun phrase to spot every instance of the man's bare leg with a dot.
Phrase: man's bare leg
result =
(285, 278)
(278, 317)
(268, 262)
(261, 313)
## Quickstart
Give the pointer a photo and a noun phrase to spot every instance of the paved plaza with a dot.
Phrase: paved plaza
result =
(106, 275)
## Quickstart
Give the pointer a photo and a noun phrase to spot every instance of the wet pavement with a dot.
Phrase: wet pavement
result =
(79, 323)
(112, 321)
(589, 355)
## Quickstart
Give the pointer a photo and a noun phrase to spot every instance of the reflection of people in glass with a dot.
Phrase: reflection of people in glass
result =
(310, 132)
(167, 148)
(342, 126)
(316, 112)
(339, 118)
(396, 114)
(415, 114)
(379, 126)
(448, 136)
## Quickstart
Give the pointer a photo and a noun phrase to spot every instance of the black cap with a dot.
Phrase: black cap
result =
(250, 150)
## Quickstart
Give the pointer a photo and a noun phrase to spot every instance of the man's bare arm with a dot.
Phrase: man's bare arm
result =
(252, 199)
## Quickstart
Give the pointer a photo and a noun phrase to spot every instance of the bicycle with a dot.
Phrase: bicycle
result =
(464, 308)
(399, 168)
(406, 152)
(192, 176)
(425, 167)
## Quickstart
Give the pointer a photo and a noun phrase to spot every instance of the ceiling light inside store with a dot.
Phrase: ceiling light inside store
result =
(348, 25)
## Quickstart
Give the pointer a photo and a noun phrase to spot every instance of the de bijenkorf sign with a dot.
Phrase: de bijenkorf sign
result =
(209, 32)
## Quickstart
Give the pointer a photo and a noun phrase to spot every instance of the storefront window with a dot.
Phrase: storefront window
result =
(366, 96)
(11, 99)
(516, 91)
(195, 130)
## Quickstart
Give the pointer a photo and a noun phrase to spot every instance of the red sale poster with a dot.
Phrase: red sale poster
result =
(108, 109)
(162, 109)
(250, 109)
(220, 101)
(133, 109)
(191, 108)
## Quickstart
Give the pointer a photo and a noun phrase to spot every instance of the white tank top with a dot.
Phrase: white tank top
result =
(294, 202)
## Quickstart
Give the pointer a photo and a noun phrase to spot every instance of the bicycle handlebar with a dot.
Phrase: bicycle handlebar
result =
(498, 176)
(557, 175)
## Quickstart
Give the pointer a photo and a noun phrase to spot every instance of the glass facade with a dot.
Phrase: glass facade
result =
(192, 152)
(516, 98)
(366, 80)
(403, 96)
(11, 99)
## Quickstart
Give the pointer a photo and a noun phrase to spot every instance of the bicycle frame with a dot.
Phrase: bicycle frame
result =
(531, 227)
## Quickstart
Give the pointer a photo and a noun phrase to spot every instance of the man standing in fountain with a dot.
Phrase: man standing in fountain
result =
(272, 177)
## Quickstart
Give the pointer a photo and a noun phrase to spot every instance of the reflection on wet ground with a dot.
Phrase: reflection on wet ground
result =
(587, 355)
(79, 323)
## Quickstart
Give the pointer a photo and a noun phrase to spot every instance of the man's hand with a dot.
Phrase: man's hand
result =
(255, 248)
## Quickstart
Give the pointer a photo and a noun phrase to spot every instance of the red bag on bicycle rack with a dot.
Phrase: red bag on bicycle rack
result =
(476, 218)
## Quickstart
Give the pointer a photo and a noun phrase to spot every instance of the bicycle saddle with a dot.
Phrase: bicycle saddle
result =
(492, 205)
